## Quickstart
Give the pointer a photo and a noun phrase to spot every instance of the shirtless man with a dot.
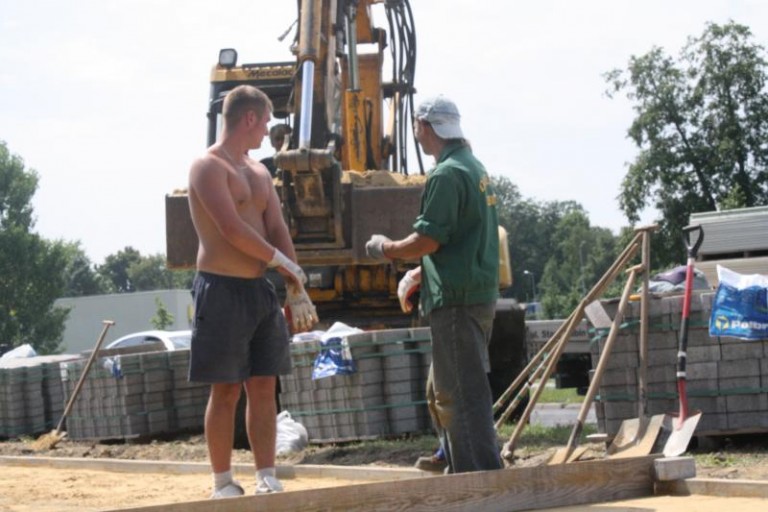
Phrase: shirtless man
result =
(240, 338)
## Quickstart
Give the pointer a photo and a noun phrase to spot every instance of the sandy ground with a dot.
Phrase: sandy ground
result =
(43, 489)
(47, 489)
(695, 503)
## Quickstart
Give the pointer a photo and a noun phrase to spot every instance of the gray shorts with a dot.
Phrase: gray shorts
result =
(239, 330)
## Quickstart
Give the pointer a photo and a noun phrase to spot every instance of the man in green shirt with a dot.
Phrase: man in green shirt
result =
(456, 238)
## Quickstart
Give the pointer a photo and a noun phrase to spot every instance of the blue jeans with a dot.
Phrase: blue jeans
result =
(458, 393)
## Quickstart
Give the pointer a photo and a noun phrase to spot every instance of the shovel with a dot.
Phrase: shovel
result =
(636, 436)
(51, 439)
(570, 452)
(682, 425)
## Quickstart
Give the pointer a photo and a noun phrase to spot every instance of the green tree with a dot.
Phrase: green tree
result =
(80, 275)
(163, 318)
(151, 273)
(520, 217)
(701, 127)
(129, 271)
(552, 239)
(32, 268)
(579, 256)
(115, 272)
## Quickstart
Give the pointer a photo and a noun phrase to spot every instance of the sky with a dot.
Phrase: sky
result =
(106, 99)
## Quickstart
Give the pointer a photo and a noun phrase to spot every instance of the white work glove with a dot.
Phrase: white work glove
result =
(407, 286)
(280, 260)
(374, 247)
(299, 310)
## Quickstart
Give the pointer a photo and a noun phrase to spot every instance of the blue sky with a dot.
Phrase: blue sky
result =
(106, 99)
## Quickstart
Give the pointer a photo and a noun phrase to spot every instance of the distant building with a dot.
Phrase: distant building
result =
(131, 312)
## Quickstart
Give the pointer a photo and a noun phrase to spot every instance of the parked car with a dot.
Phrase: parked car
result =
(172, 340)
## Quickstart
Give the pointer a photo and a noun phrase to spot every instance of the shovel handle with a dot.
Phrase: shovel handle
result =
(682, 351)
(693, 249)
(79, 385)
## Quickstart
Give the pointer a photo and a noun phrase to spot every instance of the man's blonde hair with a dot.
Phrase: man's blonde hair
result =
(240, 100)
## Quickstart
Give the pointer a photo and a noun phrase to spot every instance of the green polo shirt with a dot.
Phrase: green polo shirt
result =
(458, 210)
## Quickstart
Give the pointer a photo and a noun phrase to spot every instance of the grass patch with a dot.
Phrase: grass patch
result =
(537, 437)
(560, 396)
(716, 460)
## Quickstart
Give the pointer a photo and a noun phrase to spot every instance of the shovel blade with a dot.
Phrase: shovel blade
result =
(636, 441)
(560, 456)
(680, 433)
(626, 435)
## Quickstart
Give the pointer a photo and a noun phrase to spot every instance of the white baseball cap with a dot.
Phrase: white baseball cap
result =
(442, 114)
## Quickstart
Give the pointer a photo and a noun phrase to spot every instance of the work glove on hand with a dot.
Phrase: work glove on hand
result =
(281, 261)
(374, 247)
(299, 309)
(407, 286)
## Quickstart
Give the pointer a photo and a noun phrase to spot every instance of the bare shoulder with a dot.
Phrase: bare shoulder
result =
(206, 164)
(260, 171)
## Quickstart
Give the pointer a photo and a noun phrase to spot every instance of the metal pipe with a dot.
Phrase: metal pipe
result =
(307, 79)
(354, 75)
(309, 29)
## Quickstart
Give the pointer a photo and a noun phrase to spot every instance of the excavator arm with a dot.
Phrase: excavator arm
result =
(343, 175)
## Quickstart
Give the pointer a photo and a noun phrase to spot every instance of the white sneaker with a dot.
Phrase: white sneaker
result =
(269, 484)
(231, 490)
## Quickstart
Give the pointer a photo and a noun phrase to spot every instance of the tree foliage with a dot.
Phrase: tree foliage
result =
(32, 268)
(162, 318)
(701, 125)
(80, 275)
(580, 255)
(556, 255)
(115, 270)
(128, 271)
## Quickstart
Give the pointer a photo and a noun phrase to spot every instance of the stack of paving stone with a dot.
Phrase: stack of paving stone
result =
(727, 378)
(189, 398)
(135, 395)
(385, 395)
(31, 395)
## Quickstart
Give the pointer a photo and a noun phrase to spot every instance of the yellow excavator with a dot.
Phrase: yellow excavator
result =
(343, 172)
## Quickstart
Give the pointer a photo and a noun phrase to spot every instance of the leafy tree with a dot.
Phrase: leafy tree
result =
(151, 273)
(129, 271)
(80, 275)
(555, 245)
(163, 318)
(115, 270)
(701, 127)
(580, 256)
(32, 268)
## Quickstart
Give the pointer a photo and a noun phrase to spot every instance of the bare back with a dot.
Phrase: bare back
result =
(233, 209)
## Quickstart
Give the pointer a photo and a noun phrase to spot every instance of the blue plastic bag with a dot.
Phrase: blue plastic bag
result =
(740, 308)
(334, 358)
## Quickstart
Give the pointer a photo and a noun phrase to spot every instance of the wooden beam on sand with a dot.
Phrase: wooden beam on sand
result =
(505, 490)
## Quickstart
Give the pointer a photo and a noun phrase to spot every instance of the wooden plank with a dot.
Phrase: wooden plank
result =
(506, 490)
(715, 487)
